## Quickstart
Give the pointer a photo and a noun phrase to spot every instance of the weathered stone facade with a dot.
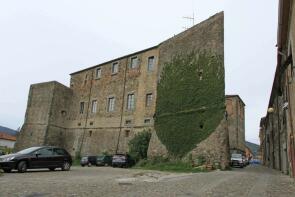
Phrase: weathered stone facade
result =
(53, 113)
(107, 104)
(235, 109)
(277, 127)
(228, 137)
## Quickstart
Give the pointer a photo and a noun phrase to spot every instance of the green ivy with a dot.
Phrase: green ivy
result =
(190, 100)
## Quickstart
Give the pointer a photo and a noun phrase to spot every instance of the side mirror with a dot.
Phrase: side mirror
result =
(37, 154)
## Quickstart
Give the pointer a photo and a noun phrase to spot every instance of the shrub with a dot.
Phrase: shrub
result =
(105, 152)
(138, 146)
(200, 160)
(142, 163)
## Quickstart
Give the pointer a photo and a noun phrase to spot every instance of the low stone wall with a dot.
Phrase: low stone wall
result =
(214, 149)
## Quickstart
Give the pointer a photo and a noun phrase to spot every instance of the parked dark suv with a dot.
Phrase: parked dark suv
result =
(88, 161)
(37, 157)
(122, 160)
(104, 160)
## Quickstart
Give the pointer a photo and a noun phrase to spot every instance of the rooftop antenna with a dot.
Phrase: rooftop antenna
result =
(191, 18)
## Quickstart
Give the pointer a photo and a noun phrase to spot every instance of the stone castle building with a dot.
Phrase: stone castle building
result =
(107, 104)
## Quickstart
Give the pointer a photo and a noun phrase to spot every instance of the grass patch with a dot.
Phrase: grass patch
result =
(76, 162)
(169, 166)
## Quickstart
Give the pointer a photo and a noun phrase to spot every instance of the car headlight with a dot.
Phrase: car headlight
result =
(8, 159)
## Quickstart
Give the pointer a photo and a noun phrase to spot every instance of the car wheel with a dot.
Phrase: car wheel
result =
(22, 167)
(66, 166)
(7, 170)
(51, 169)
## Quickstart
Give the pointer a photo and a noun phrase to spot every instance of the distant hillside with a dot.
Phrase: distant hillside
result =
(254, 147)
(8, 131)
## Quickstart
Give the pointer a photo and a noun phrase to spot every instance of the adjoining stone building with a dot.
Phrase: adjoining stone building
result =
(107, 104)
(235, 108)
(277, 127)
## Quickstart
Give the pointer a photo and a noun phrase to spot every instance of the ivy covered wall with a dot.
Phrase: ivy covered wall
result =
(190, 100)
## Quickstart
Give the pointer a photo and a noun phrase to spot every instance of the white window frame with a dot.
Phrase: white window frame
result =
(135, 65)
(148, 102)
(150, 67)
(115, 65)
(94, 106)
(130, 101)
(111, 104)
(98, 73)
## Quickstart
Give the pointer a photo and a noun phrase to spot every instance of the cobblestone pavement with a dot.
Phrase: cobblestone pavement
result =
(104, 181)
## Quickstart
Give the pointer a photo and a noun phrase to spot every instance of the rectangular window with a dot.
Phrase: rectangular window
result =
(127, 132)
(98, 73)
(130, 102)
(81, 107)
(115, 67)
(149, 99)
(94, 106)
(128, 122)
(151, 62)
(147, 121)
(111, 104)
(134, 62)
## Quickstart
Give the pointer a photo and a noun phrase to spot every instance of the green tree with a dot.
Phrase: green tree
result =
(138, 146)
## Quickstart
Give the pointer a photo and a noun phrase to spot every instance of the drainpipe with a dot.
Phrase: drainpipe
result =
(122, 107)
(87, 113)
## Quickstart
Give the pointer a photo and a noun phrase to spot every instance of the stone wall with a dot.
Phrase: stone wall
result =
(45, 120)
(215, 148)
(235, 108)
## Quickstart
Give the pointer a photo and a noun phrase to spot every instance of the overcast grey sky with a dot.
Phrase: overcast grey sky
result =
(47, 40)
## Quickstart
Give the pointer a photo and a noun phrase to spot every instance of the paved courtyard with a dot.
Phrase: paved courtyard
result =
(107, 181)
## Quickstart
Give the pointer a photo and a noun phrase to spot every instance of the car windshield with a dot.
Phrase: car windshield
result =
(236, 156)
(119, 157)
(28, 150)
(100, 157)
